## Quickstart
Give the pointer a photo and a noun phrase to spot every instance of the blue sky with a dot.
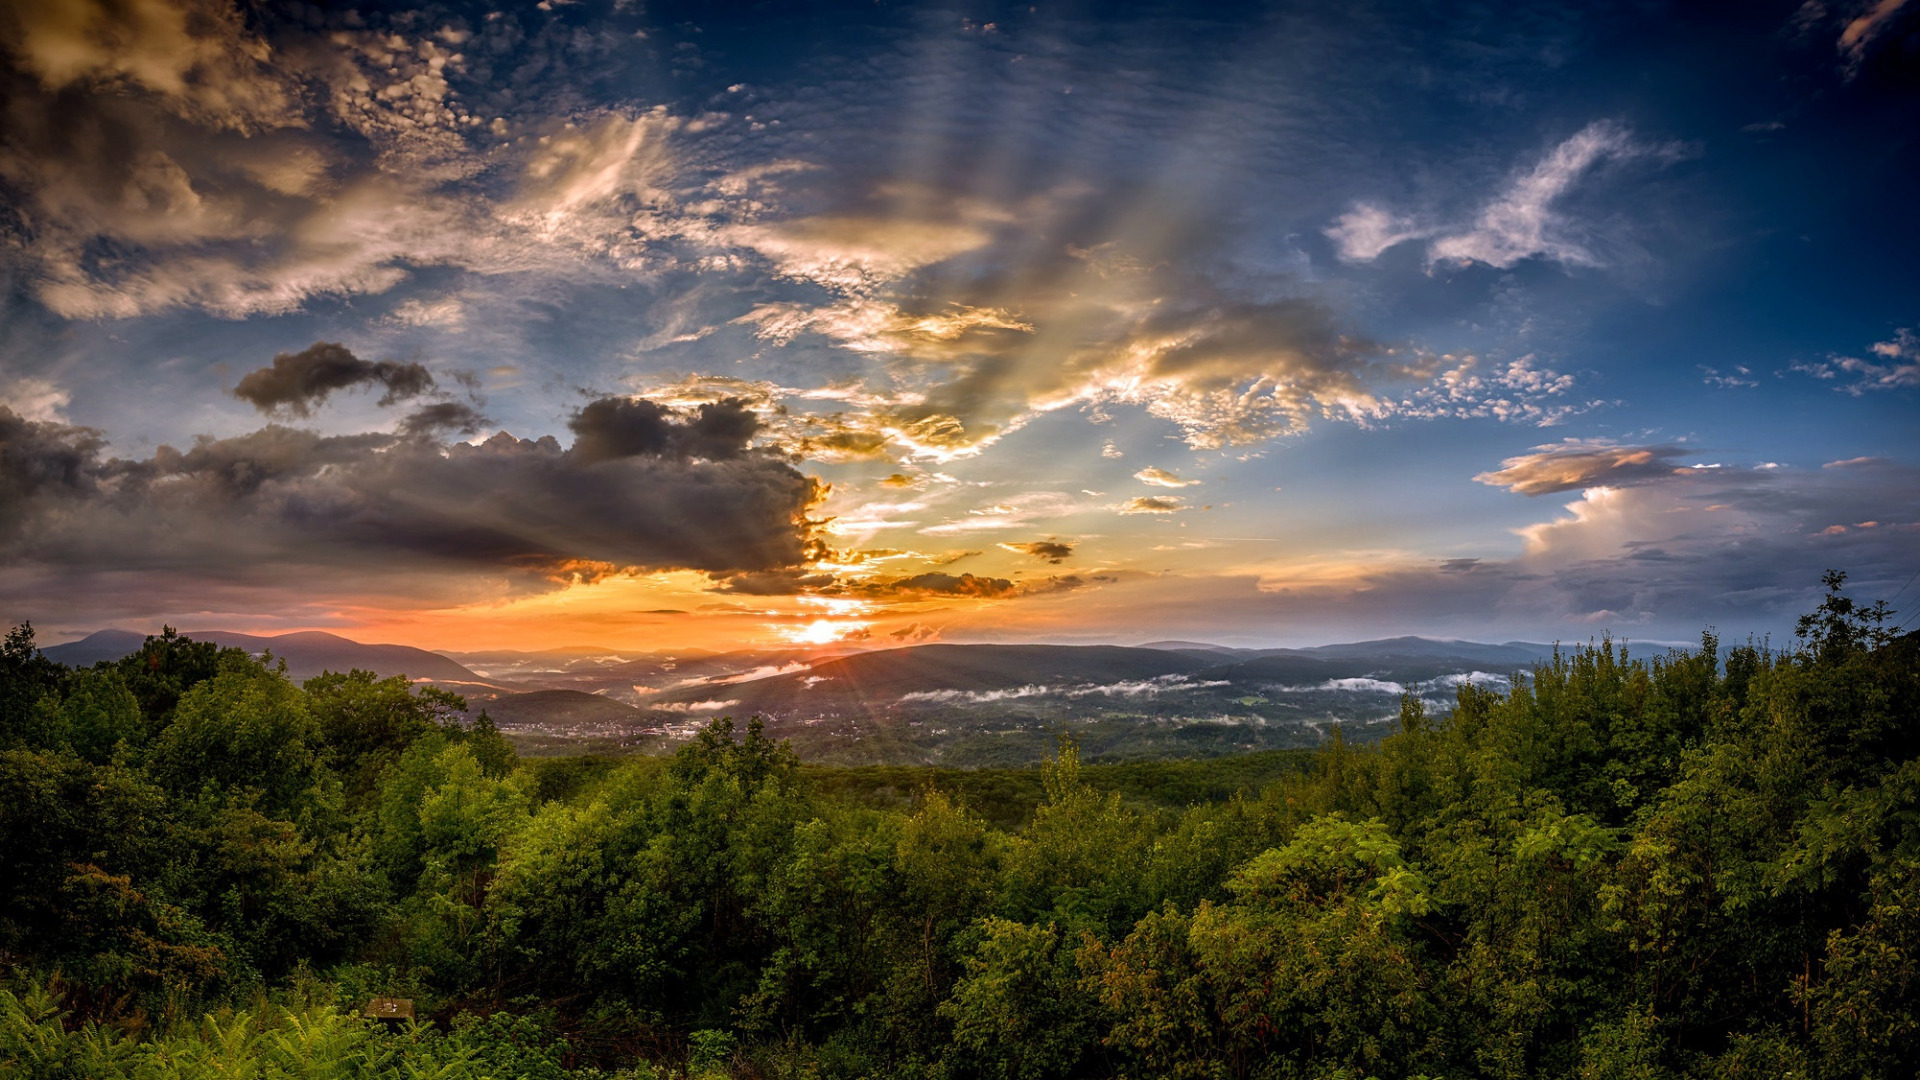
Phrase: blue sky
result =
(726, 324)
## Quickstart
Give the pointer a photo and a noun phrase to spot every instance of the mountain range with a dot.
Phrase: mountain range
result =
(951, 704)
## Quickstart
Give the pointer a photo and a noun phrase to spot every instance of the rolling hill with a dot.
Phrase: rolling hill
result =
(561, 709)
(307, 654)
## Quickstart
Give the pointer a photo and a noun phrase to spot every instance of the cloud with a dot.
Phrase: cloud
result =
(1582, 463)
(938, 584)
(1159, 477)
(41, 456)
(241, 178)
(447, 313)
(1061, 583)
(1519, 391)
(580, 168)
(1052, 551)
(784, 581)
(858, 252)
(1131, 688)
(296, 383)
(1895, 366)
(1352, 686)
(1738, 548)
(613, 428)
(1741, 376)
(1152, 504)
(692, 706)
(992, 327)
(34, 399)
(196, 57)
(1363, 233)
(1710, 540)
(1236, 373)
(1014, 512)
(1522, 223)
(390, 518)
(1471, 678)
(1862, 30)
(453, 417)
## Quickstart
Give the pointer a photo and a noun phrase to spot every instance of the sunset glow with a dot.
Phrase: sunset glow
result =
(708, 327)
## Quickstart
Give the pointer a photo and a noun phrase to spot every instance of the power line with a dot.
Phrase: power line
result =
(1903, 588)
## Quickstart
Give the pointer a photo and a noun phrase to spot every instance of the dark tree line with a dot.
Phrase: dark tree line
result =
(1699, 864)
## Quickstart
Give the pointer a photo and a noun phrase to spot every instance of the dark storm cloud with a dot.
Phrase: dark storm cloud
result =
(453, 417)
(296, 383)
(38, 457)
(613, 428)
(401, 514)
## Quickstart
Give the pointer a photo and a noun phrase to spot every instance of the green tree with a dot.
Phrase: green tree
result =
(25, 678)
(246, 733)
(366, 722)
(1020, 1012)
(94, 714)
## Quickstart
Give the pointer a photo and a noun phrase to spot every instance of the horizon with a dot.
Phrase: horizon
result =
(698, 327)
(870, 646)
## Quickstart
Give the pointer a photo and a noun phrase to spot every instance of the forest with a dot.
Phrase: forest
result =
(1696, 863)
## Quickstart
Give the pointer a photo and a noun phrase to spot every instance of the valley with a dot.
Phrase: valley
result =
(947, 705)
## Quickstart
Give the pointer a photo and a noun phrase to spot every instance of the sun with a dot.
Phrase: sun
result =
(823, 631)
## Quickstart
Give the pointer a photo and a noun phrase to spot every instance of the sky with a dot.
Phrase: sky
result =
(657, 326)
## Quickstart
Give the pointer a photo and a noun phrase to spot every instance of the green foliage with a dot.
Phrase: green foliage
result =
(26, 677)
(1842, 626)
(94, 715)
(40, 1039)
(708, 1051)
(166, 667)
(1020, 1012)
(1691, 865)
(367, 722)
(245, 733)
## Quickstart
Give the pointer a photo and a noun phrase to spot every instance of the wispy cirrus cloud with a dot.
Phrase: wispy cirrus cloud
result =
(1524, 221)
(1366, 232)
(1018, 511)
